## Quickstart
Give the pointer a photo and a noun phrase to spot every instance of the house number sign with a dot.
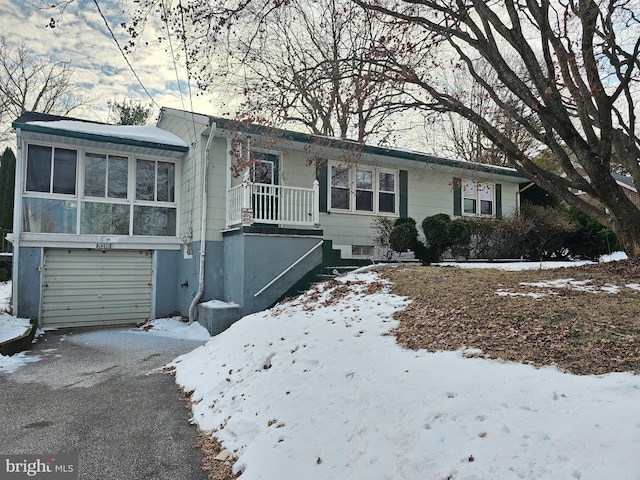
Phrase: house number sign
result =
(247, 216)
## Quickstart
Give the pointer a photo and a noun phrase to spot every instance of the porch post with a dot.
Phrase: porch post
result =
(246, 212)
(316, 202)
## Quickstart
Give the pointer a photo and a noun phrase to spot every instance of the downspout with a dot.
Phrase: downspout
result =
(17, 222)
(203, 223)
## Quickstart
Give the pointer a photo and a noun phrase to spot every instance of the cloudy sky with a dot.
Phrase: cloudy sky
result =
(82, 38)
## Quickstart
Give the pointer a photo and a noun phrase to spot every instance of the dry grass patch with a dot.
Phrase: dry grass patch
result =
(580, 331)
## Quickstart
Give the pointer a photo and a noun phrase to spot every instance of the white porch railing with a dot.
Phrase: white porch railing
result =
(249, 203)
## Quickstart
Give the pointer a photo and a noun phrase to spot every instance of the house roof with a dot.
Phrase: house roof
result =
(624, 181)
(146, 136)
(342, 144)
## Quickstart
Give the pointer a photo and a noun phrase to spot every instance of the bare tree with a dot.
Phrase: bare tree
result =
(464, 139)
(302, 64)
(566, 71)
(30, 82)
(310, 66)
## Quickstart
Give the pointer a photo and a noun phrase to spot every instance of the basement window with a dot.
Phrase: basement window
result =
(362, 250)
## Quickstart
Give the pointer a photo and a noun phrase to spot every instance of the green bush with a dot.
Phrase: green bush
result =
(540, 232)
(549, 232)
(590, 240)
(438, 233)
(4, 274)
(498, 238)
(404, 235)
(460, 235)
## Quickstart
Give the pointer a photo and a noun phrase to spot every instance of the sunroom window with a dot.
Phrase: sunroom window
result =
(108, 203)
(51, 170)
(104, 218)
(49, 204)
(155, 181)
(48, 215)
(105, 176)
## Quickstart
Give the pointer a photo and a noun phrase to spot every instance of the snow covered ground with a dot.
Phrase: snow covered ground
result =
(314, 389)
(10, 327)
(544, 265)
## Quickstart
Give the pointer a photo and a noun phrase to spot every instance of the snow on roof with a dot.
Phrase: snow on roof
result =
(142, 133)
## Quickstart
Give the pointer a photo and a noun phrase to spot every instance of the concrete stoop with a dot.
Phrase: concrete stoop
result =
(216, 316)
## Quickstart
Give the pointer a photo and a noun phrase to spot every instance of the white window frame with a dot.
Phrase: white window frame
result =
(357, 188)
(79, 197)
(276, 170)
(395, 193)
(104, 198)
(50, 194)
(353, 189)
(478, 197)
(241, 147)
(348, 188)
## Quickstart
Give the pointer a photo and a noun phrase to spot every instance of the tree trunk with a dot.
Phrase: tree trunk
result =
(626, 226)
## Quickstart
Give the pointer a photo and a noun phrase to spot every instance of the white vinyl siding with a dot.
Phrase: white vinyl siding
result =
(92, 287)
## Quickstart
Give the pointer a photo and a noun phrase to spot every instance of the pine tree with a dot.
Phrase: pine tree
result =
(7, 187)
(129, 112)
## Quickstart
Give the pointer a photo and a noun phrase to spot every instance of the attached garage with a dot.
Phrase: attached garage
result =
(93, 287)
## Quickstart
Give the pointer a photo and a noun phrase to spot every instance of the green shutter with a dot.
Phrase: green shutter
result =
(404, 193)
(457, 197)
(498, 200)
(321, 176)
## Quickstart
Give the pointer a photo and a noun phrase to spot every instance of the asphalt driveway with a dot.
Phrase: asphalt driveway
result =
(97, 393)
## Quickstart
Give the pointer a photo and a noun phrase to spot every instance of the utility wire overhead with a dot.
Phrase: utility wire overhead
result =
(124, 54)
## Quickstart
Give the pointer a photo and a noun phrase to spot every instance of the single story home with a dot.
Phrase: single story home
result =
(208, 217)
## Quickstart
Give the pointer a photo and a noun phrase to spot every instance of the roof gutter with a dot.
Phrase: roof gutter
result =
(353, 146)
(203, 223)
(28, 127)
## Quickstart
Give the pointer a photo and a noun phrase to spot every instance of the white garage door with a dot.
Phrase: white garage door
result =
(90, 287)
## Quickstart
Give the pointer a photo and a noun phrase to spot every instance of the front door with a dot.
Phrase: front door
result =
(265, 176)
